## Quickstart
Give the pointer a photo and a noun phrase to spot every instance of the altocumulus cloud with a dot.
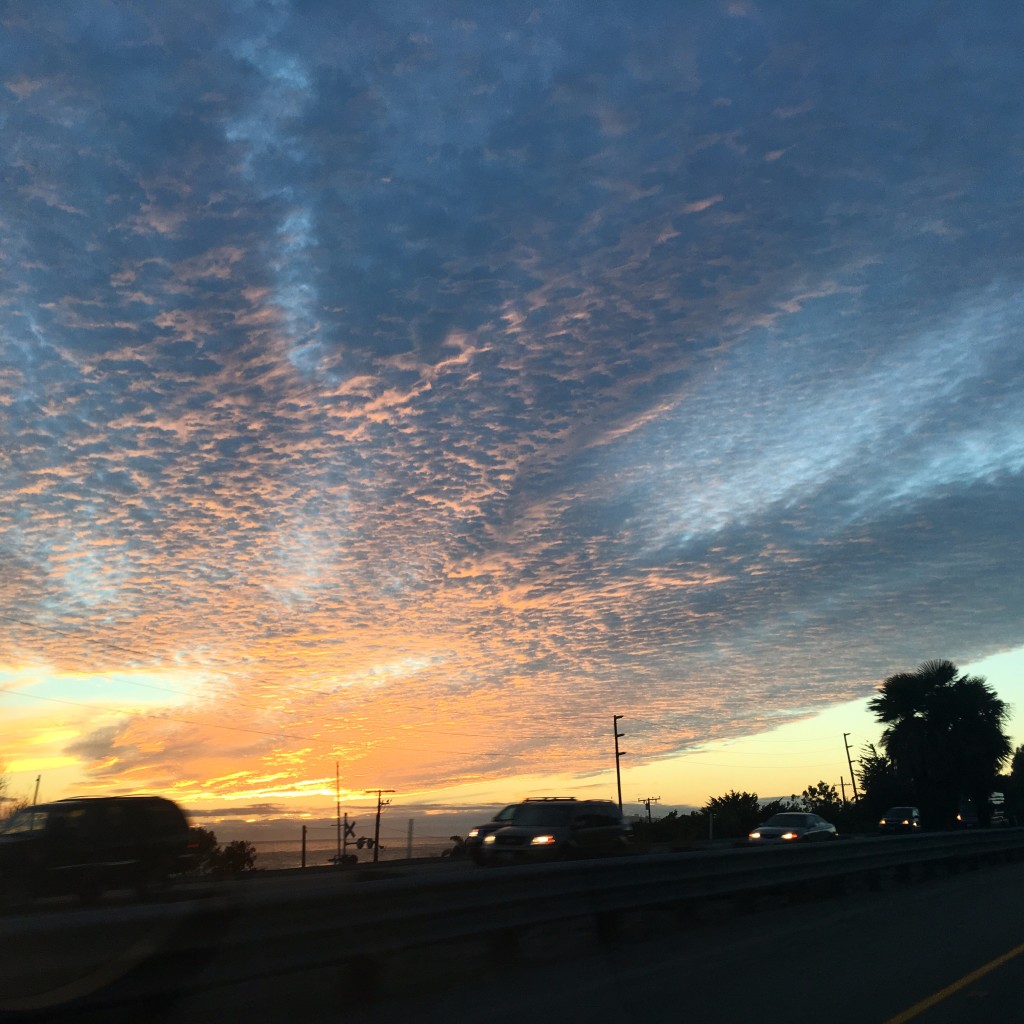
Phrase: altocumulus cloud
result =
(410, 371)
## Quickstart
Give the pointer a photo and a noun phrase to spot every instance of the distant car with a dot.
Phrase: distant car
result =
(900, 819)
(557, 829)
(85, 846)
(793, 827)
(967, 815)
(475, 836)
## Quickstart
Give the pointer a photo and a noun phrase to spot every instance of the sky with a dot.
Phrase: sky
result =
(394, 393)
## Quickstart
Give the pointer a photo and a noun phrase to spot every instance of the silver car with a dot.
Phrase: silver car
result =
(793, 827)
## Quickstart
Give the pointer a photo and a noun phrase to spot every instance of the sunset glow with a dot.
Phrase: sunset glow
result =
(404, 390)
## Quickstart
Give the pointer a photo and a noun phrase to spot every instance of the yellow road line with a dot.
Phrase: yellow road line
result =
(968, 979)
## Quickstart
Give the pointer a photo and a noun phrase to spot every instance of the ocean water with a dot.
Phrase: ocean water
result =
(287, 853)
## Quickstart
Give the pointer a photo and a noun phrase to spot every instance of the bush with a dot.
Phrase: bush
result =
(236, 858)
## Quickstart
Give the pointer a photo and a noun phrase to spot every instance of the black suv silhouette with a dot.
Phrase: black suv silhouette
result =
(557, 828)
(87, 845)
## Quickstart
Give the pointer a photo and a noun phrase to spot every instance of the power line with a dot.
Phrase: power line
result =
(774, 767)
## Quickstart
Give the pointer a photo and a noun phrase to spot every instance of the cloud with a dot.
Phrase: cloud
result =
(407, 375)
(251, 811)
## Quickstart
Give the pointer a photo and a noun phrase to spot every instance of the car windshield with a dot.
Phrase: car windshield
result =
(899, 812)
(542, 814)
(790, 820)
(505, 814)
(30, 820)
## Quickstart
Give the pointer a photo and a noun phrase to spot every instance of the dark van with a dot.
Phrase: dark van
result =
(556, 828)
(87, 845)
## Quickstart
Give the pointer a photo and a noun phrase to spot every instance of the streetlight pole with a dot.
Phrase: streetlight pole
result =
(618, 756)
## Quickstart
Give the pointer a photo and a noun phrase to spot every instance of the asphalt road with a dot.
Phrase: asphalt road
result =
(934, 952)
(907, 954)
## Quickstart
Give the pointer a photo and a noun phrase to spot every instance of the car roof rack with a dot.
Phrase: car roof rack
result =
(538, 799)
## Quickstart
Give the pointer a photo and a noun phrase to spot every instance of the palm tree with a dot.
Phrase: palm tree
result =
(944, 733)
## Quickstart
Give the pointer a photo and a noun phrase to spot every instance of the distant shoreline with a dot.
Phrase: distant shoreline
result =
(282, 854)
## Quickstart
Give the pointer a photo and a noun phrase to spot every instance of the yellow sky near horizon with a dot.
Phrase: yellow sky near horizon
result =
(773, 763)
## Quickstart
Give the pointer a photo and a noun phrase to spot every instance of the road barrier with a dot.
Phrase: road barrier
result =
(269, 949)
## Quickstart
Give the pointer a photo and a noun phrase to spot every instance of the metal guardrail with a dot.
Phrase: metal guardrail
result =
(344, 932)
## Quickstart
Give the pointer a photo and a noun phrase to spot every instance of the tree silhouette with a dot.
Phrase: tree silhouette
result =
(735, 813)
(9, 806)
(777, 806)
(944, 734)
(204, 848)
(880, 786)
(1014, 787)
(236, 858)
(822, 798)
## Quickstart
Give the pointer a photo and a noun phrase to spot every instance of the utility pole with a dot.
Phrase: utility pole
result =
(647, 801)
(381, 803)
(842, 786)
(337, 810)
(618, 756)
(853, 778)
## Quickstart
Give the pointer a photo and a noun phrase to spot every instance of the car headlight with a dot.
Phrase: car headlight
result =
(754, 835)
(790, 835)
(882, 822)
(490, 838)
(473, 833)
(906, 821)
(543, 841)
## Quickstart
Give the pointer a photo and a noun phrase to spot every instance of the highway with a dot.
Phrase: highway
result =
(939, 949)
(860, 958)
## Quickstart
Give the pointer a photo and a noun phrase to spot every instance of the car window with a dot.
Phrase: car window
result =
(72, 820)
(788, 820)
(542, 814)
(26, 821)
